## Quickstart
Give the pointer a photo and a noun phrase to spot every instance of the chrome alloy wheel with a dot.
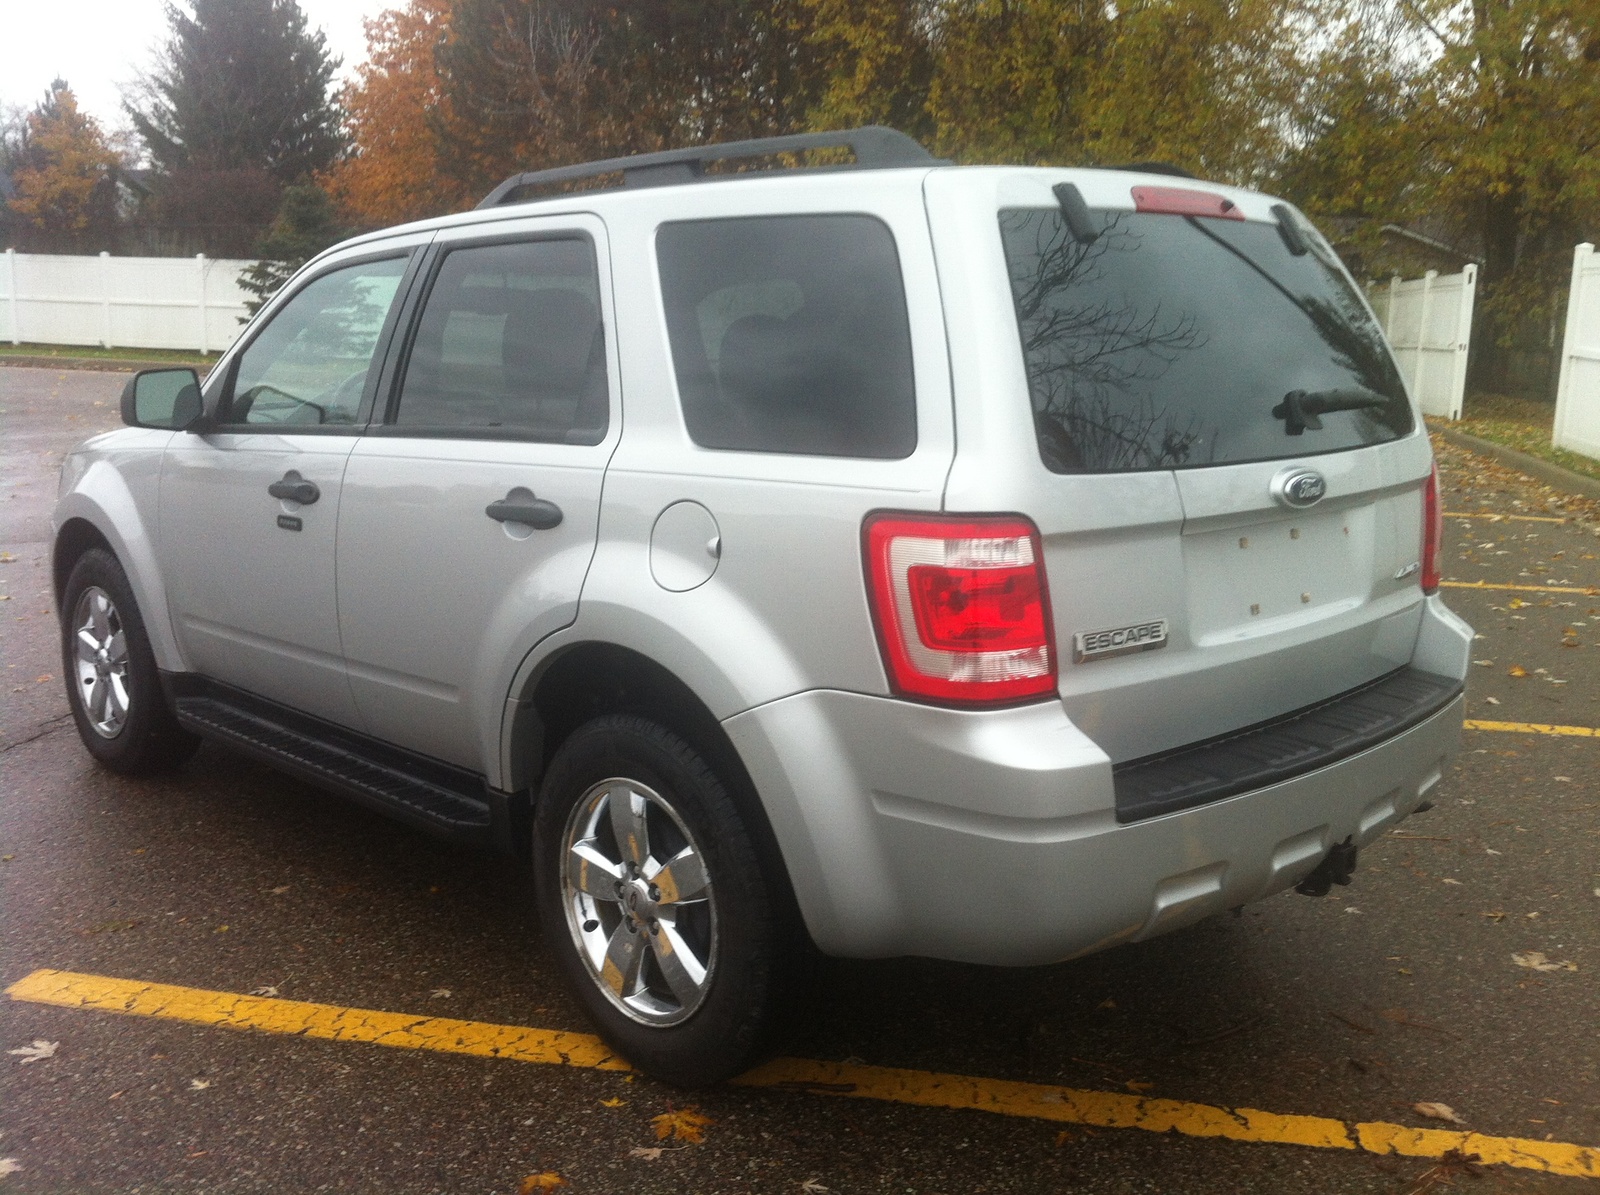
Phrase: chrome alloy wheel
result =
(101, 658)
(639, 902)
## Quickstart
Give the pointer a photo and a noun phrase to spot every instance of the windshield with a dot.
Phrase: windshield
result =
(1177, 341)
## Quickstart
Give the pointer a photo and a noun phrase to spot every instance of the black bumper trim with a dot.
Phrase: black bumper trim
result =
(1280, 749)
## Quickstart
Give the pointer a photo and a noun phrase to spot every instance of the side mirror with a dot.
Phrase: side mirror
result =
(164, 399)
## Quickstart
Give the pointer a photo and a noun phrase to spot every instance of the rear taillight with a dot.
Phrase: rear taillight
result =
(962, 611)
(1432, 532)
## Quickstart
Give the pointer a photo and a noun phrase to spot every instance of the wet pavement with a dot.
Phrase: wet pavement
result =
(1398, 989)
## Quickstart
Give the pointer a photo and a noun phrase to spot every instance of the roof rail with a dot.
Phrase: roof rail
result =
(875, 146)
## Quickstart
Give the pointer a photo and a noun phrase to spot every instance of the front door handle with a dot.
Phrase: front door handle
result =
(294, 488)
(520, 506)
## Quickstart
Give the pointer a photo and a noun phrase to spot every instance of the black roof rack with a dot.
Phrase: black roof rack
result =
(875, 146)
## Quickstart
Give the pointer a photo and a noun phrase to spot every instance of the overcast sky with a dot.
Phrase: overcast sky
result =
(99, 46)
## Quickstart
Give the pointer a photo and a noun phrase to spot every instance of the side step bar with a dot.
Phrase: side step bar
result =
(445, 801)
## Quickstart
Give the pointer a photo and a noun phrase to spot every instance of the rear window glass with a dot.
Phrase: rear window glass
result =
(790, 334)
(1170, 341)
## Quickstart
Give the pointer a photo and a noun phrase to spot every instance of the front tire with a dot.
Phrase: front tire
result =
(652, 897)
(113, 685)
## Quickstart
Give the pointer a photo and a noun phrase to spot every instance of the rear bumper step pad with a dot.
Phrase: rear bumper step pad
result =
(1281, 749)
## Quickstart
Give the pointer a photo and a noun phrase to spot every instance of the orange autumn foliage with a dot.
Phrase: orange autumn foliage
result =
(395, 173)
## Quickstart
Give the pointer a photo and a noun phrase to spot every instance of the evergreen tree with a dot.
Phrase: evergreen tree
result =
(305, 226)
(241, 85)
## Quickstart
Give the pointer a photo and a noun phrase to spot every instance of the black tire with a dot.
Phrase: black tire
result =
(718, 1032)
(147, 738)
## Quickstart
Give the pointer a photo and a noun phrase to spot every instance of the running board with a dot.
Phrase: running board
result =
(446, 801)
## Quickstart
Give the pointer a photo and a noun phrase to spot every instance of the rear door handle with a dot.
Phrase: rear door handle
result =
(294, 488)
(520, 506)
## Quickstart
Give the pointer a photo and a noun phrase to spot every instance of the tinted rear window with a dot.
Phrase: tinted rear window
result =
(789, 334)
(1169, 341)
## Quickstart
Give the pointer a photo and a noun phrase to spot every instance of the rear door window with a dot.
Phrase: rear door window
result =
(510, 344)
(790, 334)
(1171, 341)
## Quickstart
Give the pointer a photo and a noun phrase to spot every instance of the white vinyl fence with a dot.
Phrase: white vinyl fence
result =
(121, 302)
(1429, 324)
(1577, 427)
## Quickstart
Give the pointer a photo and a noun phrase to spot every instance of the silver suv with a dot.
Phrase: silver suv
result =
(987, 563)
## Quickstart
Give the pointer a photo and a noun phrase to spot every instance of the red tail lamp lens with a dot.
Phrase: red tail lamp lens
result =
(961, 606)
(1432, 532)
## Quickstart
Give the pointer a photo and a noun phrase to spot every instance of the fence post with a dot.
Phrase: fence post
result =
(1428, 280)
(105, 298)
(200, 263)
(16, 308)
(1569, 342)
(1458, 371)
(1388, 316)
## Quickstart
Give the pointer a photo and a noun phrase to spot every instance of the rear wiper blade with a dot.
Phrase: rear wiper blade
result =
(1300, 408)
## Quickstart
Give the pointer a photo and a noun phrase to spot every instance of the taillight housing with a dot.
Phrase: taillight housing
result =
(1432, 532)
(961, 607)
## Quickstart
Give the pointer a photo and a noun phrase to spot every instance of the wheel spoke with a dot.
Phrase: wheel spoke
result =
(118, 696)
(682, 877)
(624, 959)
(98, 696)
(683, 971)
(117, 649)
(88, 645)
(100, 616)
(627, 809)
(590, 871)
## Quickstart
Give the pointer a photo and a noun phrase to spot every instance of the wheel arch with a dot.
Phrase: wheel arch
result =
(591, 679)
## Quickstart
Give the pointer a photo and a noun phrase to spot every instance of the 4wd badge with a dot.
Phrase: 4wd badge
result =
(1118, 641)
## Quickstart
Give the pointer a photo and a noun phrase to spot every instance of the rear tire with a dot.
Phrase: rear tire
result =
(652, 896)
(113, 685)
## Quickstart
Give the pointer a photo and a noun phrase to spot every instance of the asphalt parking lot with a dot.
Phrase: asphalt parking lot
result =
(1460, 968)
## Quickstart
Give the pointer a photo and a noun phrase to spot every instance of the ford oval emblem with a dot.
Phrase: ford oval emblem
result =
(1299, 487)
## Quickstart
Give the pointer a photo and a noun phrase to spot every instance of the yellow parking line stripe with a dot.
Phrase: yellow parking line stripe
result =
(296, 1018)
(1582, 732)
(1591, 590)
(1037, 1101)
(1461, 514)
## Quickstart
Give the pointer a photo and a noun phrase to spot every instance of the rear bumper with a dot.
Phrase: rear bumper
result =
(992, 837)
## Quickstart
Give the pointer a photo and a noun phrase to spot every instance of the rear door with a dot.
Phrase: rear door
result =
(470, 510)
(1215, 443)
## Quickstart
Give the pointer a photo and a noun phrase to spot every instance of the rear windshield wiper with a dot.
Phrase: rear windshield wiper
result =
(1300, 408)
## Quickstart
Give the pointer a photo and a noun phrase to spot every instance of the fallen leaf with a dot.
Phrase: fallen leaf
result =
(7, 558)
(1108, 1002)
(613, 1102)
(1457, 883)
(545, 1180)
(1534, 960)
(681, 1124)
(1492, 700)
(280, 890)
(648, 1153)
(1062, 1138)
(37, 1050)
(9, 1166)
(1517, 670)
(39, 680)
(811, 1187)
(268, 991)
(1437, 1112)
(221, 929)
(1484, 663)
(1136, 1086)
(199, 1084)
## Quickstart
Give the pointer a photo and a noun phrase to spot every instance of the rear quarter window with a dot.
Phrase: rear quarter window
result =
(790, 334)
(1169, 342)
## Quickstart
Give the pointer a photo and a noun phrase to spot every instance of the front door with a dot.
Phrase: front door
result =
(250, 509)
(470, 515)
